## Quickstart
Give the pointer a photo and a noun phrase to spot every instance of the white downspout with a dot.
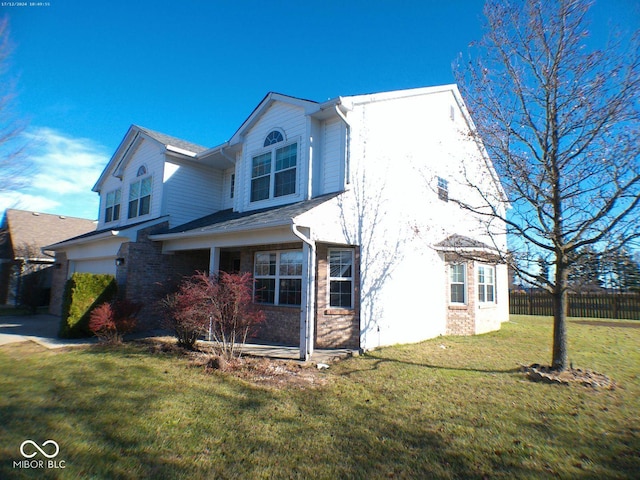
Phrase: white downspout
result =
(348, 153)
(307, 316)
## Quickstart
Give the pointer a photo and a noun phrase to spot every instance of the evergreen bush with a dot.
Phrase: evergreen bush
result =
(82, 293)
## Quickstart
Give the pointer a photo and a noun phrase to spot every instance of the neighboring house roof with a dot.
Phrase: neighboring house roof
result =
(37, 230)
(103, 233)
(228, 220)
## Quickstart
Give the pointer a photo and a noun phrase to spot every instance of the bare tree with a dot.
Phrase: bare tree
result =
(14, 165)
(560, 123)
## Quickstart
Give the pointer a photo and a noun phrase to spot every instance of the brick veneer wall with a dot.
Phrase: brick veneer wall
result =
(148, 274)
(58, 280)
(335, 328)
(461, 319)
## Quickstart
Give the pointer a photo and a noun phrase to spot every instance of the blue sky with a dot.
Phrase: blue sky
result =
(195, 69)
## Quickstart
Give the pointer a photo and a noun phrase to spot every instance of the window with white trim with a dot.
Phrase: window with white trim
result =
(486, 284)
(274, 172)
(140, 197)
(458, 283)
(278, 277)
(341, 278)
(443, 189)
(112, 206)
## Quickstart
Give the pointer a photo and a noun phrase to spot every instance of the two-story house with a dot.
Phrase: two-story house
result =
(341, 210)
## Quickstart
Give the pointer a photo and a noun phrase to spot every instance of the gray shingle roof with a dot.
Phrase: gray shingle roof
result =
(456, 241)
(173, 141)
(230, 220)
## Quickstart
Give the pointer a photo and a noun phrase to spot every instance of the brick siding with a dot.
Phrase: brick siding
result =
(461, 319)
(335, 328)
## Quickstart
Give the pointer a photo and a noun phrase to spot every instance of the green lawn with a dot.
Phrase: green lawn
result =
(452, 407)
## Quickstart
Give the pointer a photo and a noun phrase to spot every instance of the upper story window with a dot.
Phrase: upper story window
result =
(273, 173)
(140, 197)
(443, 189)
(458, 283)
(274, 137)
(278, 277)
(112, 206)
(486, 284)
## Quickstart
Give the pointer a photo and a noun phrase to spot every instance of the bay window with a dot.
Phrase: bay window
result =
(486, 284)
(458, 283)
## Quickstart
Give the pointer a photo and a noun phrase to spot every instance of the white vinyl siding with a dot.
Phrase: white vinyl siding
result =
(333, 153)
(285, 118)
(191, 192)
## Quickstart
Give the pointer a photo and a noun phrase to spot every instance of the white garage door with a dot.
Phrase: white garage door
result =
(94, 265)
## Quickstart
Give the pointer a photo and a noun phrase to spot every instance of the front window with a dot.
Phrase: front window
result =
(273, 173)
(443, 189)
(140, 197)
(486, 284)
(278, 277)
(112, 206)
(457, 282)
(341, 278)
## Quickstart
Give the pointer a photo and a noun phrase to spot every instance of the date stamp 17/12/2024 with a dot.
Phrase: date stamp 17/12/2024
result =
(24, 4)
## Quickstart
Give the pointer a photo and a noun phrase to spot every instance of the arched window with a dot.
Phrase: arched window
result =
(141, 171)
(274, 137)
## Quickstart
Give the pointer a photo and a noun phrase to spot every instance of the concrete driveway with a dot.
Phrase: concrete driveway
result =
(42, 329)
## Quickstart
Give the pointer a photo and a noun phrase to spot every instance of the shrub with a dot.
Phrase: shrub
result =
(221, 305)
(82, 293)
(110, 321)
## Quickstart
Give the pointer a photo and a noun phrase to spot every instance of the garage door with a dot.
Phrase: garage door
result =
(94, 265)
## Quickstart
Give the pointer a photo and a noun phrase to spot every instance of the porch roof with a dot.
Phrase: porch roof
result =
(226, 221)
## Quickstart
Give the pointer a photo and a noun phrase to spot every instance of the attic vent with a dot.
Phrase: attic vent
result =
(141, 171)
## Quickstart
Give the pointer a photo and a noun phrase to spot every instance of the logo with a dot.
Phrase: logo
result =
(35, 445)
(30, 449)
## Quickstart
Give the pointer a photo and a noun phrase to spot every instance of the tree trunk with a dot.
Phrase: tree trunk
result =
(560, 358)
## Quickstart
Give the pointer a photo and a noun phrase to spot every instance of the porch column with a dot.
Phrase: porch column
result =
(307, 308)
(214, 260)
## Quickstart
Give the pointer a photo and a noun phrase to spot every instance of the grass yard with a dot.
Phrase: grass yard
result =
(452, 407)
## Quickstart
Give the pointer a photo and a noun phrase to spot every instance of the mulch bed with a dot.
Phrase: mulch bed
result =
(587, 378)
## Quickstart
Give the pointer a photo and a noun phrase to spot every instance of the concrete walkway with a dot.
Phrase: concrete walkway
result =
(43, 330)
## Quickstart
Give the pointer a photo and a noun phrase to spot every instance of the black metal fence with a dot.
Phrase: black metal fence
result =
(595, 305)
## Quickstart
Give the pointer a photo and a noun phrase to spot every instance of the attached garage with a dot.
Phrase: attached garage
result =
(93, 265)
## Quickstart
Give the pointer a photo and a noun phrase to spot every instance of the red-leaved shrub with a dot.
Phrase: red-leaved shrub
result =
(111, 320)
(218, 305)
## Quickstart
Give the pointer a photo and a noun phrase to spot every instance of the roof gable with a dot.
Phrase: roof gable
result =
(309, 106)
(132, 140)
